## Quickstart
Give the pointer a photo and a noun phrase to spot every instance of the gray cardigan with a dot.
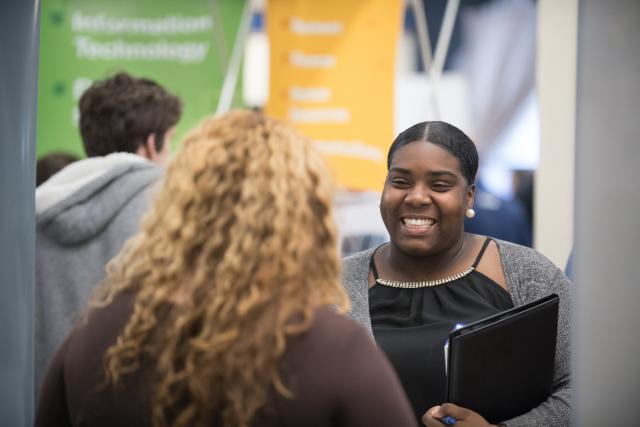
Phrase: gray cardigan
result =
(529, 276)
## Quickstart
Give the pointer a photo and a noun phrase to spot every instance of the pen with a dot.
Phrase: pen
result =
(447, 420)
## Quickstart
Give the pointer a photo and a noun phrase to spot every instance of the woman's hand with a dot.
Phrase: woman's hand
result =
(464, 417)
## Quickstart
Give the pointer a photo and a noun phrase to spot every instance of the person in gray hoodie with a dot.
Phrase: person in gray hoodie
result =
(86, 212)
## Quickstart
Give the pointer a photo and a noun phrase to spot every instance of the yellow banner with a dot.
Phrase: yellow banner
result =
(331, 75)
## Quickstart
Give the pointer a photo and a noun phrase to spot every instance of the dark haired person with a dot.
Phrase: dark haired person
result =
(411, 291)
(89, 209)
(50, 164)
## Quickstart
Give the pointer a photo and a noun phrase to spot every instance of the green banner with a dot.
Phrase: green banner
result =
(182, 45)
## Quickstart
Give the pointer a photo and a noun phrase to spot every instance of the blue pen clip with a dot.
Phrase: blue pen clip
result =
(448, 420)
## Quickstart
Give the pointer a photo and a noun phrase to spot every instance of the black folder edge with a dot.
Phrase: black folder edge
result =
(490, 321)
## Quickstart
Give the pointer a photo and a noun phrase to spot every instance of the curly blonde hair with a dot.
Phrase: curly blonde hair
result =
(237, 253)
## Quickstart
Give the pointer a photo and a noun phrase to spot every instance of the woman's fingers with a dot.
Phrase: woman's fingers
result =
(431, 418)
(455, 411)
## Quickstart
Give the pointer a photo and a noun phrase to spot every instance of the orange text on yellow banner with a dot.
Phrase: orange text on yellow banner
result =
(331, 76)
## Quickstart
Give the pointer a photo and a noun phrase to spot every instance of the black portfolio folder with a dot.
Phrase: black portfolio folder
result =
(502, 366)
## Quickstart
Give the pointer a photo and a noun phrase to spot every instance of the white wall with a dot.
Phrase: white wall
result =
(556, 90)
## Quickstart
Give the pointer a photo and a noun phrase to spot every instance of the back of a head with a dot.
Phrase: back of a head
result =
(51, 164)
(254, 184)
(117, 114)
(243, 232)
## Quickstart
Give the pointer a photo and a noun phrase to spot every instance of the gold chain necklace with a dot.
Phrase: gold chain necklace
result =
(424, 283)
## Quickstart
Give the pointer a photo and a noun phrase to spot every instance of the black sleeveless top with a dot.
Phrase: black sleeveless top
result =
(411, 325)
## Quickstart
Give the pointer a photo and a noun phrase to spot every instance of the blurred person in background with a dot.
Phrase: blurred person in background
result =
(524, 181)
(50, 164)
(220, 311)
(89, 209)
(504, 219)
(431, 275)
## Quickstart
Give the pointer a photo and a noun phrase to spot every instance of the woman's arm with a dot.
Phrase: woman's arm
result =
(531, 276)
(370, 393)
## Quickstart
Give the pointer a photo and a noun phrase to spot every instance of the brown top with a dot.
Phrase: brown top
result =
(338, 375)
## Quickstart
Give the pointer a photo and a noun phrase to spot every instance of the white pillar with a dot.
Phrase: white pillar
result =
(606, 350)
(556, 90)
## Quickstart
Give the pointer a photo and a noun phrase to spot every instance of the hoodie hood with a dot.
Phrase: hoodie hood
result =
(81, 200)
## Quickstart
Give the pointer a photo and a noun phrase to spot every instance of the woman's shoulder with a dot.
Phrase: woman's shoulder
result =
(525, 267)
(355, 267)
(523, 258)
(359, 258)
(329, 334)
(330, 323)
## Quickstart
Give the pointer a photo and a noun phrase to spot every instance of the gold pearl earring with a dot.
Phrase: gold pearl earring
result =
(470, 213)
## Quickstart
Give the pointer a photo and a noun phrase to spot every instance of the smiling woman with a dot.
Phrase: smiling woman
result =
(432, 275)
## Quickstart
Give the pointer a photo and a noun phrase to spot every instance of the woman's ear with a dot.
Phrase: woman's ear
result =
(471, 195)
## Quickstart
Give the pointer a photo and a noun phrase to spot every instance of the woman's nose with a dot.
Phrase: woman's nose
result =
(418, 196)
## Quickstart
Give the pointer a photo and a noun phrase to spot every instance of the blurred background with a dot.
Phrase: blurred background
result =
(350, 75)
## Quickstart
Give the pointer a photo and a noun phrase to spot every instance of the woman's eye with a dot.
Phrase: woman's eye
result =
(399, 182)
(441, 186)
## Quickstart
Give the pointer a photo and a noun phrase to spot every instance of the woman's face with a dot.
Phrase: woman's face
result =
(424, 199)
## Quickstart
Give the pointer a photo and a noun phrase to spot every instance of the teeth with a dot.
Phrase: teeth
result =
(418, 222)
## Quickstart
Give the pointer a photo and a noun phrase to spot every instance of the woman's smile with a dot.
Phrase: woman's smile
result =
(416, 225)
